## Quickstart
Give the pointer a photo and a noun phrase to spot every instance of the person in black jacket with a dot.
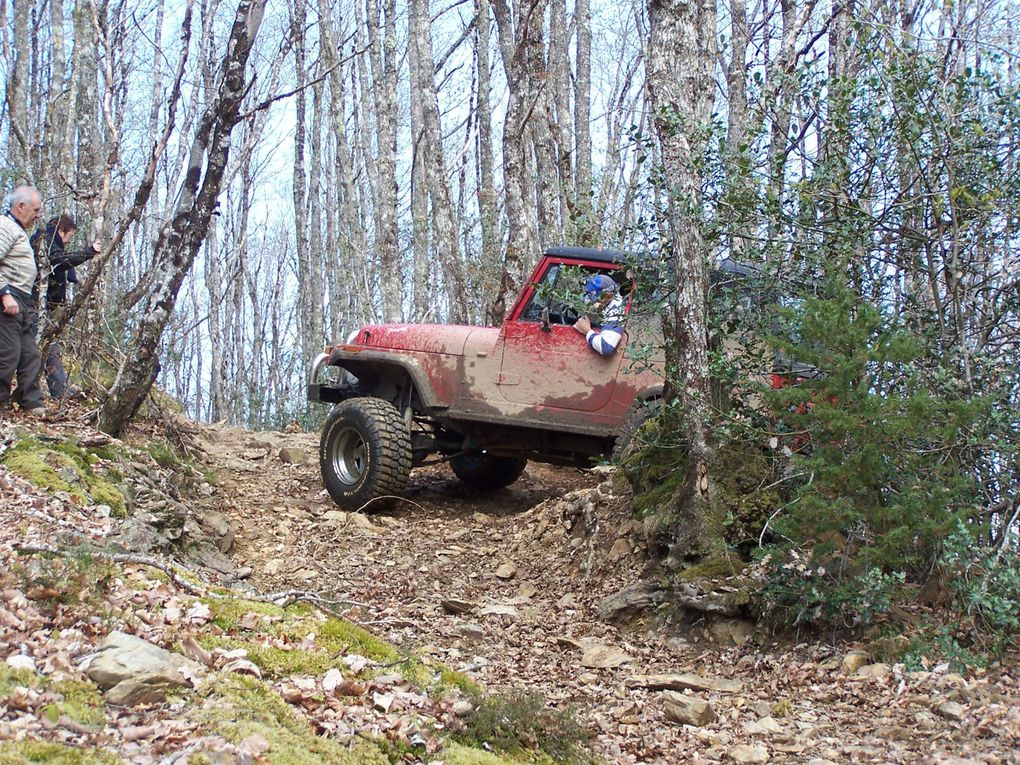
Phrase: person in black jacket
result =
(51, 242)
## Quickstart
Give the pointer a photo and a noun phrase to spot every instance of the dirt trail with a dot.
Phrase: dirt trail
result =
(522, 572)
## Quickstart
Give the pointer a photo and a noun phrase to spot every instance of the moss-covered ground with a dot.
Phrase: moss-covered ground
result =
(79, 700)
(30, 752)
(271, 635)
(63, 466)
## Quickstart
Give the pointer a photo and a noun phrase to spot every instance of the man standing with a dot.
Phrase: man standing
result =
(52, 241)
(19, 355)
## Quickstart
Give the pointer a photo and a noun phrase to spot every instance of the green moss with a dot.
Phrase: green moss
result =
(228, 612)
(82, 702)
(63, 466)
(336, 635)
(275, 662)
(718, 566)
(41, 469)
(12, 678)
(30, 751)
(782, 708)
(520, 724)
(239, 707)
(80, 699)
(105, 493)
(110, 453)
(165, 454)
(457, 754)
(449, 678)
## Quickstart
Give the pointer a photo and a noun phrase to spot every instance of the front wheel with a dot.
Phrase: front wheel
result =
(485, 471)
(365, 453)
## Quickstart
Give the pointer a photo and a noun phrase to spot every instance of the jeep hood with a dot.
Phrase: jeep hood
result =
(446, 339)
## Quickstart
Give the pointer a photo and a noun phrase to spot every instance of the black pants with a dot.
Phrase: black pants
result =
(19, 357)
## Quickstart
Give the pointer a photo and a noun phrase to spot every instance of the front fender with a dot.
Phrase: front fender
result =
(370, 366)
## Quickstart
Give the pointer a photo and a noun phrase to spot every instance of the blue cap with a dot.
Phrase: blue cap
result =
(597, 284)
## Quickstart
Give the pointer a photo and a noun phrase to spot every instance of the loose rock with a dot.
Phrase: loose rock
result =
(291, 455)
(125, 656)
(854, 660)
(749, 754)
(684, 682)
(604, 657)
(688, 710)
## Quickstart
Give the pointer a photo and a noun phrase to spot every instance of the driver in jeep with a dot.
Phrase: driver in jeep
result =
(601, 291)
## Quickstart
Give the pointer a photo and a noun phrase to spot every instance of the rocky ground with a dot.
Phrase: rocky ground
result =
(510, 589)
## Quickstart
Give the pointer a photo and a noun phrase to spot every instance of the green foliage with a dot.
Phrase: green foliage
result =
(986, 586)
(519, 722)
(797, 593)
(78, 700)
(874, 495)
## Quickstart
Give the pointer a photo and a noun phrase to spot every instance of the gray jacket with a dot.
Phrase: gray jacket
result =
(17, 261)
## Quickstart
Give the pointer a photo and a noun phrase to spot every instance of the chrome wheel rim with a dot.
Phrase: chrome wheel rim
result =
(350, 456)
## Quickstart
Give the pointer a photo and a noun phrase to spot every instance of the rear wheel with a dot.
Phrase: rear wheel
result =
(640, 413)
(485, 471)
(364, 453)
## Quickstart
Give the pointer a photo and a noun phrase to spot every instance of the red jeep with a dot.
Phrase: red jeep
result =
(488, 399)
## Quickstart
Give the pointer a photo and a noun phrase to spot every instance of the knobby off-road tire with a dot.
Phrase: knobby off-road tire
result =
(640, 413)
(365, 454)
(484, 471)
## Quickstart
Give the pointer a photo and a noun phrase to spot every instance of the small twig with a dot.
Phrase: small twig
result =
(141, 560)
(288, 596)
(390, 496)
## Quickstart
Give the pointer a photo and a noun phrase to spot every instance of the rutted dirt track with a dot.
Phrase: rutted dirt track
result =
(522, 572)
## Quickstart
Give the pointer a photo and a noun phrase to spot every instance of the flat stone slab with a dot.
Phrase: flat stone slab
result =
(684, 682)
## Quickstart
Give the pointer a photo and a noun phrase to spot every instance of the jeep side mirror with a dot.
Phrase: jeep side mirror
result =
(546, 327)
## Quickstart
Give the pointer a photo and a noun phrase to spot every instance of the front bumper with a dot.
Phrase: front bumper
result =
(319, 390)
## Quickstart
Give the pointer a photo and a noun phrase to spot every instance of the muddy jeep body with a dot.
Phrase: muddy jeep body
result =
(486, 398)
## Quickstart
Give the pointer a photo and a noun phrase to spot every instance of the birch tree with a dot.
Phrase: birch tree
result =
(182, 236)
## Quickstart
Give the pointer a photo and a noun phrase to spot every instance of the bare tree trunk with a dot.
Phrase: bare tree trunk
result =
(779, 97)
(681, 60)
(383, 55)
(86, 108)
(56, 105)
(734, 156)
(16, 92)
(587, 233)
(315, 252)
(519, 51)
(433, 166)
(422, 290)
(351, 236)
(560, 121)
(213, 283)
(142, 193)
(305, 278)
(183, 235)
(488, 213)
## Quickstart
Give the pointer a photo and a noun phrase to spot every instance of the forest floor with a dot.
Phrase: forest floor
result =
(506, 587)
(534, 561)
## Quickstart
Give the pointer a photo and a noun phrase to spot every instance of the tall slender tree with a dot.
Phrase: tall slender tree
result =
(681, 61)
(182, 236)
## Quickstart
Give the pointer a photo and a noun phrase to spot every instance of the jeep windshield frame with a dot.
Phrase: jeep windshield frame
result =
(529, 307)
